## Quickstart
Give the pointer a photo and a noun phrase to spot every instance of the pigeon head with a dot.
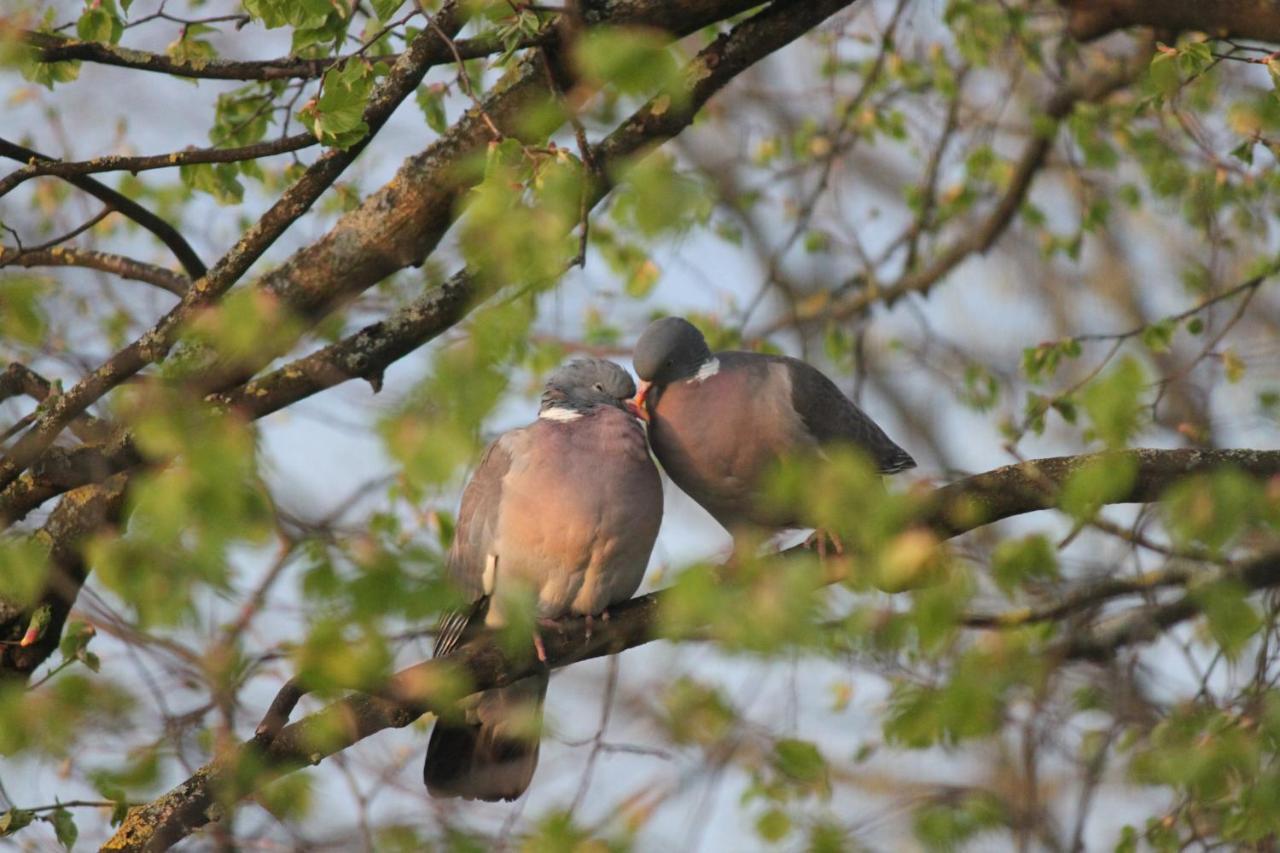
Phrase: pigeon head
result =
(587, 383)
(671, 348)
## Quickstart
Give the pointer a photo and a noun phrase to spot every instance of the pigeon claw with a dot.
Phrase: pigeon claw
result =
(821, 540)
(538, 647)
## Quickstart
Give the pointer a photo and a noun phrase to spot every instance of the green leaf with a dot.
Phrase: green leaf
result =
(1113, 402)
(22, 315)
(219, 180)
(329, 32)
(14, 820)
(296, 13)
(385, 8)
(1018, 560)
(1213, 509)
(1232, 365)
(643, 278)
(1232, 620)
(431, 101)
(1273, 68)
(49, 74)
(188, 48)
(969, 704)
(1244, 151)
(1163, 72)
(64, 826)
(1159, 336)
(635, 61)
(695, 713)
(773, 825)
(948, 826)
(23, 570)
(800, 760)
(1041, 362)
(337, 116)
(1099, 482)
(75, 643)
(655, 198)
(99, 24)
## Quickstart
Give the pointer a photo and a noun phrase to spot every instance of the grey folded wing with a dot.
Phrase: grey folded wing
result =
(831, 417)
(473, 544)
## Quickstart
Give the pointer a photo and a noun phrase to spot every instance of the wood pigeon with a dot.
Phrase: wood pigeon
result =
(564, 513)
(718, 421)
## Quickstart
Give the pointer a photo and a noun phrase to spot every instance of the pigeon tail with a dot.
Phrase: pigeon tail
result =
(896, 461)
(492, 753)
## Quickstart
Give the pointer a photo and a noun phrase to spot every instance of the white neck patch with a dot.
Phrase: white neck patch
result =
(709, 368)
(558, 414)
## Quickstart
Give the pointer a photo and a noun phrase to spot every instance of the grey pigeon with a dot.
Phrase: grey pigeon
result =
(718, 421)
(565, 512)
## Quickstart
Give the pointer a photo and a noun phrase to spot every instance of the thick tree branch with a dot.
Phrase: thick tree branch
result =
(1029, 486)
(80, 513)
(18, 379)
(1251, 19)
(279, 749)
(125, 267)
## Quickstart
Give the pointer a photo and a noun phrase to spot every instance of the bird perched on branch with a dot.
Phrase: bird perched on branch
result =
(719, 421)
(564, 513)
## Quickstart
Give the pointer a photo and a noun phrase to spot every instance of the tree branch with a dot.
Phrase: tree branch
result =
(18, 379)
(1144, 624)
(395, 227)
(125, 267)
(398, 225)
(55, 48)
(1095, 87)
(1029, 486)
(367, 353)
(80, 513)
(165, 232)
(403, 79)
(278, 749)
(1252, 19)
(133, 165)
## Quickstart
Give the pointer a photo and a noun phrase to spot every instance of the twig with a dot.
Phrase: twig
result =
(125, 267)
(166, 233)
(133, 165)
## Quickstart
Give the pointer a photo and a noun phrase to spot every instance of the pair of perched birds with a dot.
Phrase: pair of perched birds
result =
(566, 510)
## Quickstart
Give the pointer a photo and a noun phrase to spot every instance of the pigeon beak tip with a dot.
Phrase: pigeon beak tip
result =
(637, 406)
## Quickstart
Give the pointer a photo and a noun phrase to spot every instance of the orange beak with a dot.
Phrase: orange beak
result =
(641, 411)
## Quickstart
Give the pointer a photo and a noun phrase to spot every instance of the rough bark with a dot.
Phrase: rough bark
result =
(1251, 19)
(1029, 486)
(81, 513)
